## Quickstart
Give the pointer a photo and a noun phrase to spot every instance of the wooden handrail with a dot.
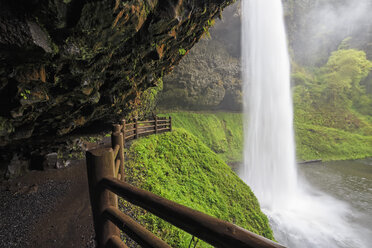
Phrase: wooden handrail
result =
(148, 132)
(130, 130)
(105, 167)
(140, 127)
(115, 242)
(150, 121)
(162, 129)
(130, 136)
(135, 231)
(210, 229)
(162, 121)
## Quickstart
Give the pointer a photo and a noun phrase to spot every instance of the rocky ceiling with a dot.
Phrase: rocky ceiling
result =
(70, 65)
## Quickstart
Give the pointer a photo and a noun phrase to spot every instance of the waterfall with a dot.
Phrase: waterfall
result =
(269, 139)
(299, 215)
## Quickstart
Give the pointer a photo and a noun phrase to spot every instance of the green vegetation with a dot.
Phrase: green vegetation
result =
(179, 167)
(145, 101)
(333, 111)
(222, 132)
(318, 142)
(326, 136)
(25, 94)
(182, 51)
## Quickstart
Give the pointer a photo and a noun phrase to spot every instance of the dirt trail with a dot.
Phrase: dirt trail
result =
(47, 209)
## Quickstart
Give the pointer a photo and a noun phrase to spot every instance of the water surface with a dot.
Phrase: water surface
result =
(349, 182)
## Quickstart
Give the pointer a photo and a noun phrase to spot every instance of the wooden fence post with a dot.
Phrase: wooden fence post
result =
(100, 164)
(117, 139)
(156, 124)
(123, 123)
(170, 123)
(115, 128)
(136, 131)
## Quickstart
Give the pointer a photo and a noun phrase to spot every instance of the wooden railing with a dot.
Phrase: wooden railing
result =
(133, 130)
(106, 184)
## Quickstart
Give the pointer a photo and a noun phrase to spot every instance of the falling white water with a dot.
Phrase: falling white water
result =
(300, 216)
(269, 138)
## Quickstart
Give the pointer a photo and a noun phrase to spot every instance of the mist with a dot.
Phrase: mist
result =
(318, 27)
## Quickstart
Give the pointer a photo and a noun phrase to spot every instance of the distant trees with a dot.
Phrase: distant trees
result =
(336, 85)
(342, 75)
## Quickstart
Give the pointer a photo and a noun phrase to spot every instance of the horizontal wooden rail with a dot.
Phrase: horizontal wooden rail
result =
(149, 131)
(130, 130)
(162, 129)
(135, 231)
(151, 121)
(144, 127)
(212, 230)
(115, 242)
(139, 128)
(130, 136)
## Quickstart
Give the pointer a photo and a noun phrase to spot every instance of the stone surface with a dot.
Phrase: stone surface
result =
(51, 160)
(62, 164)
(209, 76)
(16, 167)
(69, 66)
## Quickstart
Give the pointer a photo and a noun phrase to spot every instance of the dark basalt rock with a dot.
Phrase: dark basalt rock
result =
(209, 77)
(68, 66)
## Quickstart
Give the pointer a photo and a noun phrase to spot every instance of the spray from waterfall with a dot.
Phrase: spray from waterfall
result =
(299, 215)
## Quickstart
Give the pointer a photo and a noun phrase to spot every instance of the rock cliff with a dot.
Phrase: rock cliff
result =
(209, 76)
(73, 65)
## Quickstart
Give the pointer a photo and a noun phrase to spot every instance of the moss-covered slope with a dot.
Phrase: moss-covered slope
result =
(319, 142)
(178, 166)
(221, 131)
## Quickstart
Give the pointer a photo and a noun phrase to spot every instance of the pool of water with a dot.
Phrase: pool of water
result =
(349, 182)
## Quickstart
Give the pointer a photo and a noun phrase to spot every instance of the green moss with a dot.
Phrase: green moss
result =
(317, 142)
(182, 51)
(179, 167)
(222, 132)
(319, 135)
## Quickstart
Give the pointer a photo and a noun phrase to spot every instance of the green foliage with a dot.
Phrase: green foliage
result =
(146, 101)
(332, 108)
(222, 132)
(332, 95)
(206, 34)
(149, 97)
(25, 94)
(182, 51)
(211, 23)
(179, 167)
(319, 142)
(342, 75)
(323, 135)
(345, 44)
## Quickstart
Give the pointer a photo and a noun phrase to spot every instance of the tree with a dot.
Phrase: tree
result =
(342, 75)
